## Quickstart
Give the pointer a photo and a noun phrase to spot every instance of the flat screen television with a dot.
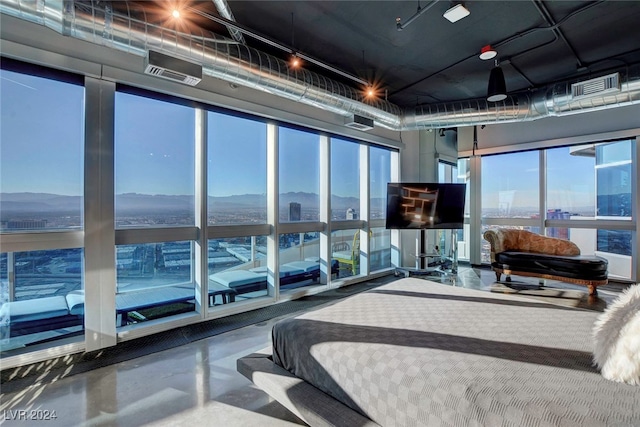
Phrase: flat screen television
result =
(420, 205)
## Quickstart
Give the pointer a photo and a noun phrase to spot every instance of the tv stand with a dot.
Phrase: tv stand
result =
(423, 266)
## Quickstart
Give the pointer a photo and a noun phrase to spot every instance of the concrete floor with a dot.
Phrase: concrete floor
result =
(197, 383)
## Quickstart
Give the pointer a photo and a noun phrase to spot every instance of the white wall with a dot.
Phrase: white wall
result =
(575, 128)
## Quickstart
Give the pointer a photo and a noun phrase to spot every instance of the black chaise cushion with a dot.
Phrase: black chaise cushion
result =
(574, 267)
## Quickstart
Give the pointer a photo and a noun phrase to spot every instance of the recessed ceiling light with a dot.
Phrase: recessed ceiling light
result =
(456, 13)
(487, 52)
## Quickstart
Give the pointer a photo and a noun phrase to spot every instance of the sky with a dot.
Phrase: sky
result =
(48, 134)
(513, 179)
(41, 120)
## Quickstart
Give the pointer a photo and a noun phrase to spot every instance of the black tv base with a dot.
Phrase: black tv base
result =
(429, 271)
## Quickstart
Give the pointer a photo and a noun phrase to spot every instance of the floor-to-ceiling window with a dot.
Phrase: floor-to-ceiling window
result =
(379, 236)
(41, 206)
(154, 194)
(187, 186)
(299, 154)
(587, 185)
(585, 194)
(510, 192)
(345, 207)
(237, 208)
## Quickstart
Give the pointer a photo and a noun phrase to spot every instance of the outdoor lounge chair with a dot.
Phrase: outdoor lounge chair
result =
(241, 281)
(348, 255)
(26, 317)
(31, 316)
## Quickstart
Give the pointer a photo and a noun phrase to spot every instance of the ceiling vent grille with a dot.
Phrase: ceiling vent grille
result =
(170, 68)
(599, 86)
(359, 122)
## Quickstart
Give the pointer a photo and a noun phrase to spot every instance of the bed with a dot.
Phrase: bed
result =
(415, 352)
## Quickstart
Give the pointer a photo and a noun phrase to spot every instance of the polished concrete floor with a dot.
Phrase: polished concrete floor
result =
(197, 383)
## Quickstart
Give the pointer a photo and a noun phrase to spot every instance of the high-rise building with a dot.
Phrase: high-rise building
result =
(352, 214)
(295, 210)
(559, 232)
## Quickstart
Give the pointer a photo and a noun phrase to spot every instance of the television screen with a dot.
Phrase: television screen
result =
(414, 205)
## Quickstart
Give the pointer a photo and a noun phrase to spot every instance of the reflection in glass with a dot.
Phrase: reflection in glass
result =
(154, 280)
(299, 260)
(299, 175)
(154, 162)
(510, 185)
(345, 251)
(42, 296)
(613, 152)
(379, 177)
(614, 191)
(237, 168)
(380, 249)
(41, 154)
(571, 182)
(615, 241)
(345, 179)
(237, 269)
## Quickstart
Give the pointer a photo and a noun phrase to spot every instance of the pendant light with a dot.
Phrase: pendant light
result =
(497, 89)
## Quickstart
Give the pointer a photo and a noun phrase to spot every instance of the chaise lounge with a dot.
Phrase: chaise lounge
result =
(524, 253)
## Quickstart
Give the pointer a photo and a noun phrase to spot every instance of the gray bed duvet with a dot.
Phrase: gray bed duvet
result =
(415, 352)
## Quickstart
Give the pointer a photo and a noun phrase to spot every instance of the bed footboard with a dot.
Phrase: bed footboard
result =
(311, 405)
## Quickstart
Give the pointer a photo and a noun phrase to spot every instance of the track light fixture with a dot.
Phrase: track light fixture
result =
(497, 89)
(257, 36)
(295, 62)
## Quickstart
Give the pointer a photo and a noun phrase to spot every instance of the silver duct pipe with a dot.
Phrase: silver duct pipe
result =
(555, 100)
(245, 66)
(234, 63)
(225, 11)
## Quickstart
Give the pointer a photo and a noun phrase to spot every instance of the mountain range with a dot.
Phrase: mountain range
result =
(11, 203)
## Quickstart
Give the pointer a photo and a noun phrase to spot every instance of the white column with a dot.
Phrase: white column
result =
(273, 207)
(475, 210)
(365, 212)
(325, 209)
(201, 261)
(99, 212)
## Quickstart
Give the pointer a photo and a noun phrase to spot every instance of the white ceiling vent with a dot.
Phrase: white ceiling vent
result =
(358, 122)
(598, 86)
(170, 68)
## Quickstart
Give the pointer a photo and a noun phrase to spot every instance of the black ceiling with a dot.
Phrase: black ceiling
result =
(433, 60)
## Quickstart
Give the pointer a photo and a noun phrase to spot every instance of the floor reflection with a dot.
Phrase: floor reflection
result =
(198, 382)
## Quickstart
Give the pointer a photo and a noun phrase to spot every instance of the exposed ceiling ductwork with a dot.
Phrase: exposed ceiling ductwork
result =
(225, 11)
(240, 64)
